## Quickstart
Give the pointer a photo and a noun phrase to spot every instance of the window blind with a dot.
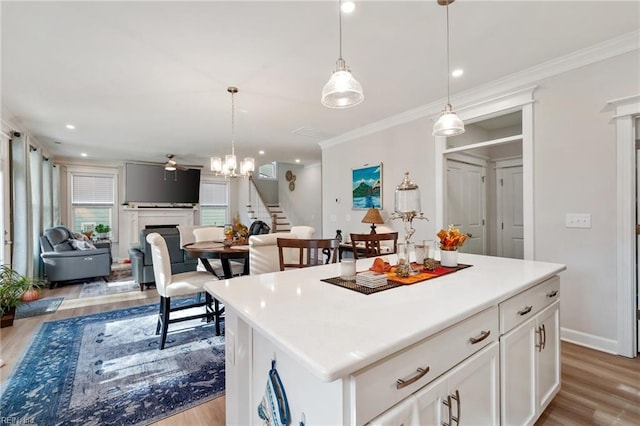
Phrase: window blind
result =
(213, 194)
(92, 190)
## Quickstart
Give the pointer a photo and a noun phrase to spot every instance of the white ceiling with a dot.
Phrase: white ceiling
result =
(143, 79)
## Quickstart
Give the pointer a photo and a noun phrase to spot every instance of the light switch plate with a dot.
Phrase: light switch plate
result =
(578, 220)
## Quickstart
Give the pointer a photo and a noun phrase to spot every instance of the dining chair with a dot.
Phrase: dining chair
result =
(302, 253)
(171, 285)
(216, 233)
(370, 245)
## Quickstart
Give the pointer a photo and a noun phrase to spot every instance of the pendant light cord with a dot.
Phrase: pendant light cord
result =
(340, 24)
(233, 124)
(448, 60)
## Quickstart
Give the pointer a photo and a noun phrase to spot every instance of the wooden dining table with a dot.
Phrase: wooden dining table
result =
(206, 250)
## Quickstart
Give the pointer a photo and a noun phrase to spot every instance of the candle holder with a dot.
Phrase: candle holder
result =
(407, 208)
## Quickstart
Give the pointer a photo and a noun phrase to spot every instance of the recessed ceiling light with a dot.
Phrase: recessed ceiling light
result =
(348, 6)
(297, 160)
(71, 126)
(83, 154)
(261, 152)
(457, 72)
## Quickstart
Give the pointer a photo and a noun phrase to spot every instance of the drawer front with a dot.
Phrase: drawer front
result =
(376, 388)
(525, 305)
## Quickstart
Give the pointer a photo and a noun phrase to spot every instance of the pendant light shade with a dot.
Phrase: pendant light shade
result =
(449, 124)
(342, 90)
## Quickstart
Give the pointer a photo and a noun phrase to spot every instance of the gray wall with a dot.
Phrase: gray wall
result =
(574, 172)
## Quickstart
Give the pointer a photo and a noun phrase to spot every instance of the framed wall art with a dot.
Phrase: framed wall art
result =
(366, 187)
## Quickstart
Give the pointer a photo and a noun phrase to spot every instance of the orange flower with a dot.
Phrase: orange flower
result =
(451, 239)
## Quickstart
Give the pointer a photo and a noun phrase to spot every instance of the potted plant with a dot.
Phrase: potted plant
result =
(13, 286)
(102, 231)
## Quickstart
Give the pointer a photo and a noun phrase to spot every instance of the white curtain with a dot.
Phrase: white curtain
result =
(35, 192)
(22, 230)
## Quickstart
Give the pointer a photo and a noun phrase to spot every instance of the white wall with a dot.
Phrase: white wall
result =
(303, 205)
(574, 172)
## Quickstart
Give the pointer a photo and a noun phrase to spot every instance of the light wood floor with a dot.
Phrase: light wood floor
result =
(597, 388)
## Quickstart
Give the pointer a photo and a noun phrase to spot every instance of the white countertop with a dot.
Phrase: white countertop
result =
(333, 331)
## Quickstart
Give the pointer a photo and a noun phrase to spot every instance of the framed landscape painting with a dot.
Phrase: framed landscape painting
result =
(366, 187)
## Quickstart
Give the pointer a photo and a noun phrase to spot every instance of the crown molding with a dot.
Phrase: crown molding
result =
(608, 49)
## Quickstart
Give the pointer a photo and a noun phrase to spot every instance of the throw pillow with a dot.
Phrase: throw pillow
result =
(82, 245)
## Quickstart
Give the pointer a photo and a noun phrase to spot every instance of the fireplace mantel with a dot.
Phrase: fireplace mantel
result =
(132, 220)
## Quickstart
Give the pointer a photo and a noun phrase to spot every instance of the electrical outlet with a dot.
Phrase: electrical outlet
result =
(578, 220)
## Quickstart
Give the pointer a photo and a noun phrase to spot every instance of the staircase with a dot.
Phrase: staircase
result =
(271, 214)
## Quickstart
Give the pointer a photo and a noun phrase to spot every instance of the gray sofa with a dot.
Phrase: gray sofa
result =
(67, 258)
(142, 264)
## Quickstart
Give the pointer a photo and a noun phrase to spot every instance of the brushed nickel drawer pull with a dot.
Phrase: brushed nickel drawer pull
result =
(525, 311)
(447, 403)
(456, 398)
(420, 373)
(539, 345)
(553, 293)
(544, 336)
(483, 335)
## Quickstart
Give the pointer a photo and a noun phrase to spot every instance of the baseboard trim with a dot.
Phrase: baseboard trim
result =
(589, 340)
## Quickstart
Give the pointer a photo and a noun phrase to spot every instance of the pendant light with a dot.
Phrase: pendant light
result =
(342, 90)
(449, 124)
(230, 166)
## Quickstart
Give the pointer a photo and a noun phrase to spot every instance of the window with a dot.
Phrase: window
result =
(268, 171)
(92, 201)
(214, 203)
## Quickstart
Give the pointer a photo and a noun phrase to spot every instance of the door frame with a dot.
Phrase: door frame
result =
(626, 111)
(521, 100)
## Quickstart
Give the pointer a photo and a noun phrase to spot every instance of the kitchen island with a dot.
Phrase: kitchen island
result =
(349, 358)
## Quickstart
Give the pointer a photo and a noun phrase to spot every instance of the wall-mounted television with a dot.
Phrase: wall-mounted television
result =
(148, 183)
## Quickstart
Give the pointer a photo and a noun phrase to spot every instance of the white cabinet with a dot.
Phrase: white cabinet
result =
(466, 395)
(530, 354)
(394, 379)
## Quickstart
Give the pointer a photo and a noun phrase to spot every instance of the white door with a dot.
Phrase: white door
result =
(5, 200)
(466, 203)
(510, 214)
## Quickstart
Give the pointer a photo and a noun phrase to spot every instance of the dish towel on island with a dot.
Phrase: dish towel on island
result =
(274, 408)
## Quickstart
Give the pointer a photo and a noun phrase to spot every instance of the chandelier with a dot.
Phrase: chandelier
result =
(449, 124)
(342, 90)
(230, 166)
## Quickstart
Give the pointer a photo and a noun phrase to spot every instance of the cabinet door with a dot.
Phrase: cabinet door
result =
(518, 375)
(473, 388)
(402, 414)
(430, 410)
(548, 367)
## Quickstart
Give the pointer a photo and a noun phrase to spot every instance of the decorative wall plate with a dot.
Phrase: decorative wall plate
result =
(288, 175)
(292, 186)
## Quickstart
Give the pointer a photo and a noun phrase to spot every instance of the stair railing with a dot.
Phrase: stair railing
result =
(258, 206)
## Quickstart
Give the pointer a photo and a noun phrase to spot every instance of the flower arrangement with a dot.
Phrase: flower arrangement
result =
(451, 239)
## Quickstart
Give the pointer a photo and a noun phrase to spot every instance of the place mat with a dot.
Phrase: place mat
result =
(424, 274)
(352, 285)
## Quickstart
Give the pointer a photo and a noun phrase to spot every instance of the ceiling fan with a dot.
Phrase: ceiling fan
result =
(172, 166)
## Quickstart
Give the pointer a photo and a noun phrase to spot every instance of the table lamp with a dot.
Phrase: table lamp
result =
(373, 217)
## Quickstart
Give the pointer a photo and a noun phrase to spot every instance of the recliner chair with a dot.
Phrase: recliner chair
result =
(67, 258)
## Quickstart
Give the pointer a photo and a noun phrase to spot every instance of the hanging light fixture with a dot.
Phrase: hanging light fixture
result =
(449, 124)
(230, 166)
(342, 90)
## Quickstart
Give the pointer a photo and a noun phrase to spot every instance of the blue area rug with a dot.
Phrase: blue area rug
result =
(107, 369)
(38, 307)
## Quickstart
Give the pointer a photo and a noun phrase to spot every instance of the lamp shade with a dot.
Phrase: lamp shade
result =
(342, 90)
(449, 124)
(373, 216)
